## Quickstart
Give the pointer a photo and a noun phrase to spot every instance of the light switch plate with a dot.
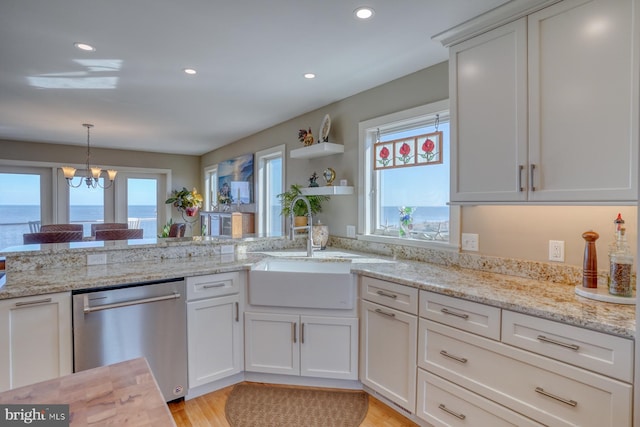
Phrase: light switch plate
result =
(470, 242)
(351, 231)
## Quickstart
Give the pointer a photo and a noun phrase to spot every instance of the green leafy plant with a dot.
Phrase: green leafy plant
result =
(185, 199)
(166, 228)
(300, 208)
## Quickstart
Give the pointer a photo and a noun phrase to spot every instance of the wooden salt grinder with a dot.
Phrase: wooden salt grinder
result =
(590, 266)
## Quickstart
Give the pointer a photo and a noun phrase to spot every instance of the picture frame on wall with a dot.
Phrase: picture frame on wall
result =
(235, 179)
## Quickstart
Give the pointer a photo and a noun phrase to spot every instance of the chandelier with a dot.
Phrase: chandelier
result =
(92, 174)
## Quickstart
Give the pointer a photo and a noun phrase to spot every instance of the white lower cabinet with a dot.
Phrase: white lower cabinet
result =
(445, 404)
(388, 353)
(292, 344)
(214, 327)
(546, 390)
(35, 339)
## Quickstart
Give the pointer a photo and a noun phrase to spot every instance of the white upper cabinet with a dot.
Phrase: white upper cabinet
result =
(488, 93)
(545, 108)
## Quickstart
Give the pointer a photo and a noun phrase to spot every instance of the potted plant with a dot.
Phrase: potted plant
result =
(300, 208)
(188, 201)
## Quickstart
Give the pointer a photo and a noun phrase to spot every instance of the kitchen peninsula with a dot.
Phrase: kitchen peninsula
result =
(474, 281)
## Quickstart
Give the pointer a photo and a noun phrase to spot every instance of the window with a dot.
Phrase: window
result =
(86, 206)
(142, 205)
(270, 166)
(407, 190)
(20, 208)
(211, 188)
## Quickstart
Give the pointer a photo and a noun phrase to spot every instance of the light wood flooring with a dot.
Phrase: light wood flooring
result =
(208, 410)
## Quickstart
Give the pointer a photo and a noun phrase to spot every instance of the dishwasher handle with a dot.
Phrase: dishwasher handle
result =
(88, 309)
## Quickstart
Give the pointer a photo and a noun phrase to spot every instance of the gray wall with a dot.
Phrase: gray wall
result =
(520, 232)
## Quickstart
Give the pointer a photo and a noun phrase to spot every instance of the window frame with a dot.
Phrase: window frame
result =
(367, 195)
(262, 213)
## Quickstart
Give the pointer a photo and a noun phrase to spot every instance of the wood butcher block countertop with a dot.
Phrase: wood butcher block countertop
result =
(124, 393)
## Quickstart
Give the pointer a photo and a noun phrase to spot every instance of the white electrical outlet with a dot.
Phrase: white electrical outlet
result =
(351, 231)
(470, 242)
(227, 249)
(96, 259)
(556, 250)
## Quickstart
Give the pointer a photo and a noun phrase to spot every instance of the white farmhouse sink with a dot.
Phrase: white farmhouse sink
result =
(304, 283)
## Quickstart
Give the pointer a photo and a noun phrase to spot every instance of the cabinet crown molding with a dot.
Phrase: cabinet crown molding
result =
(491, 19)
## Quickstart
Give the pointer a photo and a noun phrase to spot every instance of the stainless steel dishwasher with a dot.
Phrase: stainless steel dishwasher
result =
(114, 324)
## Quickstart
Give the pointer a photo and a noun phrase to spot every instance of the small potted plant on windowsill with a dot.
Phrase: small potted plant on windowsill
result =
(300, 208)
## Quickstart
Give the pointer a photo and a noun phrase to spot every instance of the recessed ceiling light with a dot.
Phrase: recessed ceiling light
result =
(309, 76)
(84, 46)
(190, 71)
(363, 12)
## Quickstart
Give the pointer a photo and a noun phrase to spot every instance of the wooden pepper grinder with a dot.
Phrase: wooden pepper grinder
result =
(590, 265)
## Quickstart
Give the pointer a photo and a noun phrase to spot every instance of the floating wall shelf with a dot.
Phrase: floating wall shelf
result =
(317, 150)
(327, 190)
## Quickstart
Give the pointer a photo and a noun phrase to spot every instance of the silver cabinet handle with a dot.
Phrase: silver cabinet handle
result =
(451, 356)
(40, 301)
(301, 333)
(385, 313)
(520, 169)
(384, 294)
(293, 332)
(533, 168)
(558, 398)
(217, 285)
(453, 313)
(87, 309)
(573, 347)
(237, 311)
(449, 411)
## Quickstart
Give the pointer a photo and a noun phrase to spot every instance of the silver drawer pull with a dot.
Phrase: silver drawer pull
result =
(217, 285)
(558, 398)
(385, 313)
(384, 294)
(40, 301)
(451, 356)
(449, 411)
(573, 347)
(452, 313)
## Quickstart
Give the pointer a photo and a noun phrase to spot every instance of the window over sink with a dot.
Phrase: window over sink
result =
(405, 164)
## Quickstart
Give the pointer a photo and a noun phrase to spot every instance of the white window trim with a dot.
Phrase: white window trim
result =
(365, 190)
(260, 157)
(210, 187)
(56, 196)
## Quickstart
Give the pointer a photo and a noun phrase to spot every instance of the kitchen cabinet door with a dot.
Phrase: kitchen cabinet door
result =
(388, 341)
(329, 347)
(583, 95)
(215, 344)
(313, 346)
(271, 343)
(35, 339)
(488, 93)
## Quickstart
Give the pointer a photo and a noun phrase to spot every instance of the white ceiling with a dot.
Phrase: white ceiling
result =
(250, 56)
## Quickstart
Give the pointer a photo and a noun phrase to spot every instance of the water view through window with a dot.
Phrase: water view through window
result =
(19, 207)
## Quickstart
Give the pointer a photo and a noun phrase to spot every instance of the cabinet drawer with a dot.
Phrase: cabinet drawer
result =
(212, 285)
(543, 389)
(400, 297)
(469, 316)
(596, 351)
(443, 403)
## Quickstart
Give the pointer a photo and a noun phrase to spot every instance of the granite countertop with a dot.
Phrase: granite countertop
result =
(548, 300)
(118, 394)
